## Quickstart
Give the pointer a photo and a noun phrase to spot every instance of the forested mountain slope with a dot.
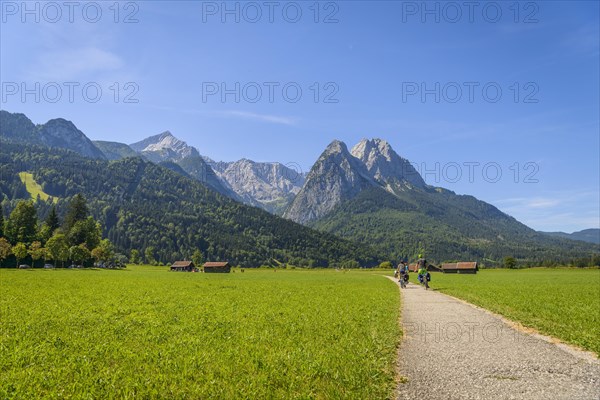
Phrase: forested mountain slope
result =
(143, 205)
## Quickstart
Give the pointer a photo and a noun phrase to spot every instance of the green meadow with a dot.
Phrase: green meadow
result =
(145, 332)
(34, 188)
(561, 302)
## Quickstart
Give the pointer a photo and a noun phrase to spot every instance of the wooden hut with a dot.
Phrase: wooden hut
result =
(183, 266)
(210, 267)
(460, 268)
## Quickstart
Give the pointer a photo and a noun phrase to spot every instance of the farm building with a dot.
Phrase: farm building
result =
(460, 268)
(184, 266)
(217, 267)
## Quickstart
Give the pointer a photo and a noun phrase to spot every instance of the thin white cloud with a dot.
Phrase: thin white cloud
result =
(275, 119)
(543, 203)
(528, 203)
(261, 117)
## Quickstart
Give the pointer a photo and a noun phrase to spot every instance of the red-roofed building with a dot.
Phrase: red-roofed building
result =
(184, 266)
(460, 268)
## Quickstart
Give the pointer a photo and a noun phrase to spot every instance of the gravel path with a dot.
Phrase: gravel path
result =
(453, 350)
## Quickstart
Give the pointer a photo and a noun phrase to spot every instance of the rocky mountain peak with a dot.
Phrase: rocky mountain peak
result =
(164, 147)
(335, 147)
(166, 141)
(64, 134)
(335, 177)
(367, 148)
(386, 166)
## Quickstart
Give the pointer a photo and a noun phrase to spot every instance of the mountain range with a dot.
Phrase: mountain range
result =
(268, 185)
(368, 195)
(586, 235)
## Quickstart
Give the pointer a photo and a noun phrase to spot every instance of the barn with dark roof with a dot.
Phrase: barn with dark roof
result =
(217, 266)
(460, 268)
(183, 266)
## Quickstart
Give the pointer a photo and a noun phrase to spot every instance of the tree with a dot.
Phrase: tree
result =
(104, 252)
(77, 211)
(197, 258)
(36, 251)
(79, 253)
(52, 220)
(134, 258)
(50, 225)
(20, 251)
(5, 249)
(44, 233)
(149, 255)
(1, 222)
(87, 231)
(510, 262)
(385, 264)
(22, 223)
(58, 248)
(45, 254)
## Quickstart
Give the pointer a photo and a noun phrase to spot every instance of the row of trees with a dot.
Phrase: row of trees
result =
(78, 238)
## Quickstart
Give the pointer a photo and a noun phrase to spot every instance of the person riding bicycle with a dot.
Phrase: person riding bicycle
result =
(402, 271)
(422, 266)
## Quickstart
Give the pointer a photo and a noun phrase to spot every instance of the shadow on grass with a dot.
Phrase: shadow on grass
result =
(437, 289)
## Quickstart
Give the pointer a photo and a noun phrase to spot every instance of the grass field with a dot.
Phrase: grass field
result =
(33, 187)
(145, 332)
(564, 303)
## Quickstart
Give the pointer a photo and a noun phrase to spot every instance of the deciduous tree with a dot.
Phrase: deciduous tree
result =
(197, 258)
(58, 248)
(5, 249)
(510, 262)
(134, 258)
(36, 251)
(79, 253)
(87, 231)
(1, 222)
(20, 251)
(21, 226)
(104, 252)
(149, 255)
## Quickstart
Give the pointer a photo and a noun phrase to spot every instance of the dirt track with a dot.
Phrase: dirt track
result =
(453, 350)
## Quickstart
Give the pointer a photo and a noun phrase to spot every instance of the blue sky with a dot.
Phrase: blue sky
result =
(387, 69)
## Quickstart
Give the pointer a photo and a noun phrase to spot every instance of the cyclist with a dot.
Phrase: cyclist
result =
(402, 273)
(422, 266)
